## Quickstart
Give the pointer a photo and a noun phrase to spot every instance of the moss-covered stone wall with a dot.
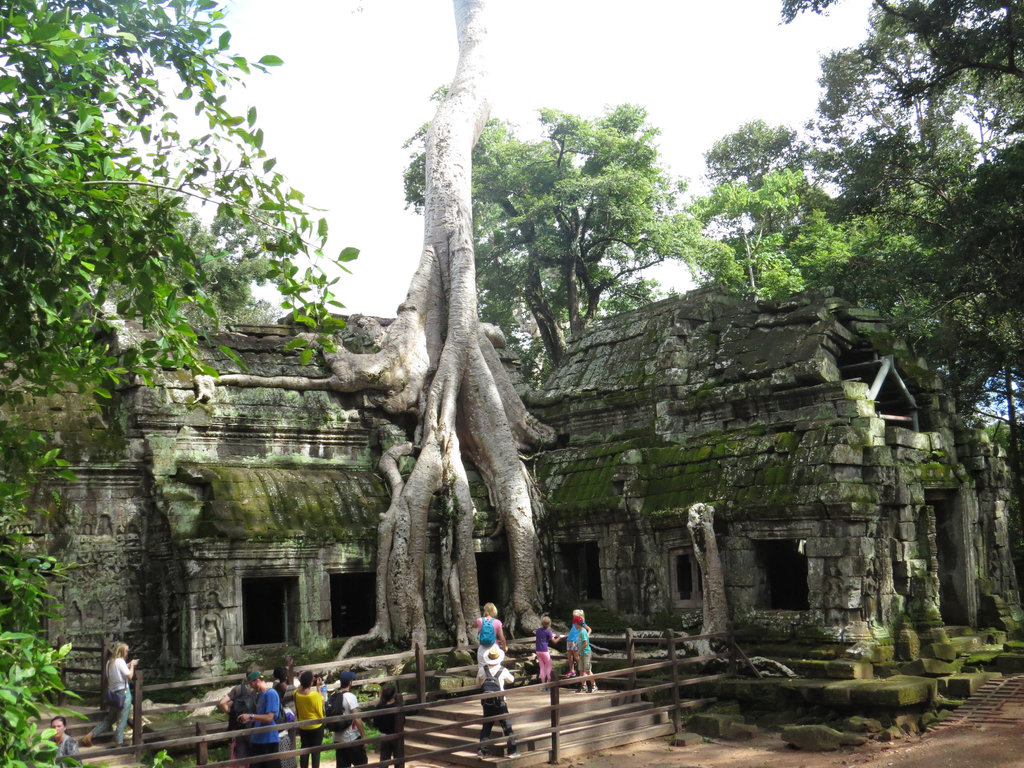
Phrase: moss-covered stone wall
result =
(766, 411)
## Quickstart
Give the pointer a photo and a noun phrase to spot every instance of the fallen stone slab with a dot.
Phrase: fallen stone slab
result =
(819, 738)
(686, 739)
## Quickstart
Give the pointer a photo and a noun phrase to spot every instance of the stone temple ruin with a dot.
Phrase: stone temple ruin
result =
(849, 497)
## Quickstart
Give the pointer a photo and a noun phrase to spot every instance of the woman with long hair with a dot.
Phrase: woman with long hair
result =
(118, 699)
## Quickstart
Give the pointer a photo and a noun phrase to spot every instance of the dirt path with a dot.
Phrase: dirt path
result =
(999, 746)
(961, 747)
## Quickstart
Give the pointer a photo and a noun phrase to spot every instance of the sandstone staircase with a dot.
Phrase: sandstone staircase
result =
(589, 722)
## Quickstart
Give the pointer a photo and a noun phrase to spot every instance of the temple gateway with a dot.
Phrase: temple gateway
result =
(849, 498)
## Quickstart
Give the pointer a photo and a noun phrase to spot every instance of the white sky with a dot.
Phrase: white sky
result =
(356, 84)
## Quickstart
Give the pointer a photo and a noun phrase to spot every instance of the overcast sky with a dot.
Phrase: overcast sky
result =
(358, 76)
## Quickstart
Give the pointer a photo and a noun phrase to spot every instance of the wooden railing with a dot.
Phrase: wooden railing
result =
(661, 676)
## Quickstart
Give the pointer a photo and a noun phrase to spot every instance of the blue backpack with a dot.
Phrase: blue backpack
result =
(486, 635)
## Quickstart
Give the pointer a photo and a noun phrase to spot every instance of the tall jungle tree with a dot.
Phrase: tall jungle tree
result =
(439, 361)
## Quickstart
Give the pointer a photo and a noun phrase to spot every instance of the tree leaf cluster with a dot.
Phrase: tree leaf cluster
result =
(97, 176)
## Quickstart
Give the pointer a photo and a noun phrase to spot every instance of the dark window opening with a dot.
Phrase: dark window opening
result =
(353, 603)
(783, 566)
(492, 578)
(893, 401)
(270, 610)
(581, 568)
(686, 580)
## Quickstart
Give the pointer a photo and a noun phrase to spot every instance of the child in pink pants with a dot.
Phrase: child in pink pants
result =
(544, 639)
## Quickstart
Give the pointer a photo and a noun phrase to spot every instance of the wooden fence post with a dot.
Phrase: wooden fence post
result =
(670, 637)
(400, 741)
(631, 656)
(104, 661)
(202, 748)
(290, 662)
(556, 720)
(421, 675)
(137, 708)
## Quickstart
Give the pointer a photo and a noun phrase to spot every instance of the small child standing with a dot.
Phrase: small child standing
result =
(572, 642)
(544, 639)
(583, 643)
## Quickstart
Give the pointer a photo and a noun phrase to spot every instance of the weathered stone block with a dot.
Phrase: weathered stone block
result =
(964, 684)
(928, 668)
(940, 651)
(894, 692)
(849, 669)
(1010, 663)
(686, 739)
(908, 645)
(714, 726)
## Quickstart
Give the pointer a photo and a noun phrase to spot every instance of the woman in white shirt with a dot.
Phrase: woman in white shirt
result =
(119, 675)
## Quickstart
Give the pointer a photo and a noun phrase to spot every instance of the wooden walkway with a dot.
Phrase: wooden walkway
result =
(587, 722)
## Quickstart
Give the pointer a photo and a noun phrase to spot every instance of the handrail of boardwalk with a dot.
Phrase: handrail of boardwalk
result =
(663, 676)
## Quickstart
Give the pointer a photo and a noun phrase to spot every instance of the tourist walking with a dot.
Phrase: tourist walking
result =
(492, 678)
(118, 697)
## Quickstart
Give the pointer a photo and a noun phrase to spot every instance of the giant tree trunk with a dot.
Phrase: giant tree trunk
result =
(439, 360)
(701, 526)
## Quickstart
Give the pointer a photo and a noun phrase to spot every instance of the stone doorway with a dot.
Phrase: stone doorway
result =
(353, 603)
(951, 556)
(581, 571)
(783, 575)
(270, 610)
(685, 579)
(493, 579)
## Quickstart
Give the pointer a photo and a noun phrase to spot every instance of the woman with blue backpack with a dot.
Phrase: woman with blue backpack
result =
(489, 632)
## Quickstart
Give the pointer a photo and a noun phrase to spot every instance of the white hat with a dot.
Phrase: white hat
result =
(494, 655)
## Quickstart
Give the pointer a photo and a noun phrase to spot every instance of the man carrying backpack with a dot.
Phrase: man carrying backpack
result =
(492, 678)
(239, 700)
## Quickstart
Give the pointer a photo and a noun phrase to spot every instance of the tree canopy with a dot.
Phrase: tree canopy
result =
(96, 174)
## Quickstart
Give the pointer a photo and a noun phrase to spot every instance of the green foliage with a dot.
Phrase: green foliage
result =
(754, 224)
(233, 255)
(29, 667)
(567, 225)
(772, 236)
(95, 177)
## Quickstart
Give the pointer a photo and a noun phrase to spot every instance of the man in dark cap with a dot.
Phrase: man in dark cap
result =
(267, 707)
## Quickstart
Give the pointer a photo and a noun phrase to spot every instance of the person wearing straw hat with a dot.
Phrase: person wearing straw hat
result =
(492, 677)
